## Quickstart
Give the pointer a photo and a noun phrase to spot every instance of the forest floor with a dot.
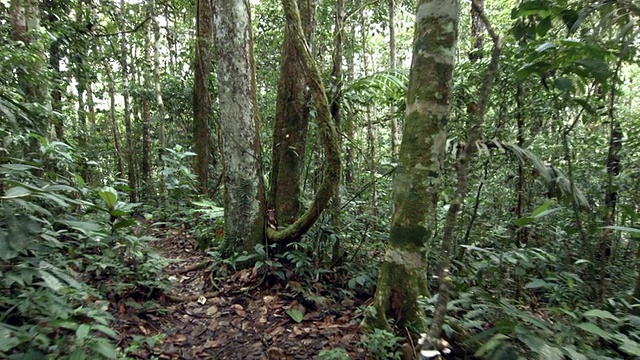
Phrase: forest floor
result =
(244, 318)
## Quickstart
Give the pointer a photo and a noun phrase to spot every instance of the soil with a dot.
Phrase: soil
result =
(243, 316)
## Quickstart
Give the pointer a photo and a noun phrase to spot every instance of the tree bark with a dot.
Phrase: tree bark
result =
(290, 125)
(146, 111)
(395, 131)
(158, 91)
(242, 172)
(326, 130)
(127, 108)
(25, 20)
(202, 111)
(417, 182)
(477, 31)
(55, 56)
(336, 114)
(114, 122)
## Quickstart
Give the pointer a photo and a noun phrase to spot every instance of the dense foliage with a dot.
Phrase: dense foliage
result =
(545, 256)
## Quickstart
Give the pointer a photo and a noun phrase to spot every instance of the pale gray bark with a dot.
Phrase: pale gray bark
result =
(242, 174)
(417, 183)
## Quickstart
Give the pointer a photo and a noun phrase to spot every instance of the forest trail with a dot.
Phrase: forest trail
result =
(244, 319)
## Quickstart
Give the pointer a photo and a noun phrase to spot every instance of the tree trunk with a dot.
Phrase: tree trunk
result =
(613, 170)
(336, 114)
(55, 56)
(202, 111)
(477, 31)
(291, 125)
(158, 91)
(146, 112)
(242, 172)
(417, 182)
(127, 108)
(326, 129)
(25, 19)
(114, 121)
(395, 131)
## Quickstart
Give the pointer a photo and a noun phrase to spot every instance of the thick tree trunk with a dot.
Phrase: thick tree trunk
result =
(291, 125)
(202, 111)
(417, 182)
(25, 19)
(127, 108)
(326, 129)
(242, 173)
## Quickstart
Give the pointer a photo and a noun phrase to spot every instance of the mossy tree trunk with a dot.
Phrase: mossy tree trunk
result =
(201, 101)
(326, 130)
(402, 277)
(242, 170)
(291, 125)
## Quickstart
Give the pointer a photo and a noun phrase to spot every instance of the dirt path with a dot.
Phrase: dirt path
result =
(242, 321)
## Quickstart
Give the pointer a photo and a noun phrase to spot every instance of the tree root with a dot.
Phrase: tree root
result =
(194, 267)
(195, 297)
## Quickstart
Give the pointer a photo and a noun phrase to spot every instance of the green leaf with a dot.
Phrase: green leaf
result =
(564, 84)
(16, 192)
(595, 330)
(6, 250)
(50, 281)
(573, 354)
(7, 340)
(601, 314)
(630, 347)
(623, 229)
(105, 349)
(78, 355)
(550, 353)
(82, 331)
(118, 213)
(545, 46)
(107, 331)
(535, 284)
(543, 26)
(295, 314)
(542, 208)
(524, 221)
(109, 195)
(495, 341)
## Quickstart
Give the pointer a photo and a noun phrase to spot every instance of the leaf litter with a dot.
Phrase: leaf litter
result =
(244, 319)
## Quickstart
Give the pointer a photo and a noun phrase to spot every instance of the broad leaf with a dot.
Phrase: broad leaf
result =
(295, 314)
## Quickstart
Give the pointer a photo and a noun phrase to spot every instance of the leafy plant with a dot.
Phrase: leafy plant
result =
(333, 354)
(383, 344)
